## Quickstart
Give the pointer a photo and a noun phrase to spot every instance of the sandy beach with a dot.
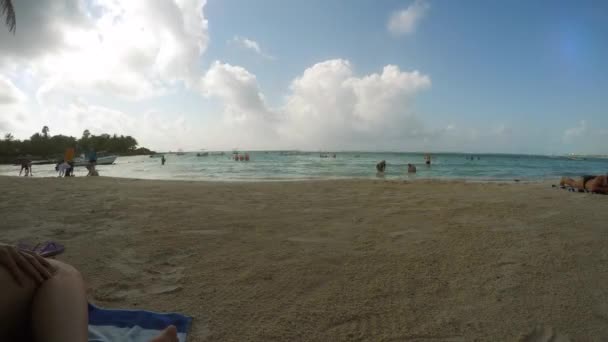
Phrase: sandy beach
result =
(331, 260)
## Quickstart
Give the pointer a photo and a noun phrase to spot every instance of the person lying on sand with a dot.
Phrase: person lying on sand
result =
(45, 300)
(597, 184)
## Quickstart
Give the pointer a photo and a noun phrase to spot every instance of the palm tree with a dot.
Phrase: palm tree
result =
(45, 131)
(7, 9)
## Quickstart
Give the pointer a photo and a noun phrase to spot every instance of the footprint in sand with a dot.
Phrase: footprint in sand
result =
(160, 277)
(115, 292)
(204, 232)
(309, 240)
(544, 334)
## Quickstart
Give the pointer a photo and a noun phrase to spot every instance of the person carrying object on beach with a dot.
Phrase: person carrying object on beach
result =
(598, 184)
(411, 168)
(44, 300)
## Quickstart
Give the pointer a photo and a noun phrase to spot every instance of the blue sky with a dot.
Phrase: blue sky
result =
(528, 63)
(493, 76)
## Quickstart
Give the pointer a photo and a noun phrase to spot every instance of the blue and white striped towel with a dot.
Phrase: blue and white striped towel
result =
(133, 325)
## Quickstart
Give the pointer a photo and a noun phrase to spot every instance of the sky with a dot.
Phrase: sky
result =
(456, 76)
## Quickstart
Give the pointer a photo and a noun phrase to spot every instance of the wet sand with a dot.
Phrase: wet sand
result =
(331, 260)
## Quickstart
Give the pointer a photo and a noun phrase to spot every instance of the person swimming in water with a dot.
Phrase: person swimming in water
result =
(427, 159)
(411, 168)
(597, 184)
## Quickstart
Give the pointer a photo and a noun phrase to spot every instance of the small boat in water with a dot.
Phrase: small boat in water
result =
(107, 160)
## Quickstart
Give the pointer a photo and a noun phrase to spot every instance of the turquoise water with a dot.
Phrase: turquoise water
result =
(277, 166)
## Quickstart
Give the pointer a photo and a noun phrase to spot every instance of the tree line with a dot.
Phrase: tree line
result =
(45, 146)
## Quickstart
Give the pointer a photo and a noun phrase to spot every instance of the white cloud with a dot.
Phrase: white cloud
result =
(131, 49)
(9, 93)
(238, 90)
(250, 44)
(247, 120)
(330, 106)
(405, 21)
(327, 106)
(152, 129)
(574, 132)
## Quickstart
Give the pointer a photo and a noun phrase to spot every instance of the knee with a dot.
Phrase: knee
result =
(63, 270)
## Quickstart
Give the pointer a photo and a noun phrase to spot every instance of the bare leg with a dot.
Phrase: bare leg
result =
(168, 335)
(15, 302)
(59, 309)
(598, 184)
(55, 311)
(577, 184)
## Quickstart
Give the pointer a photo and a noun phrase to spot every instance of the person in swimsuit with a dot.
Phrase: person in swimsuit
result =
(411, 168)
(598, 184)
(427, 159)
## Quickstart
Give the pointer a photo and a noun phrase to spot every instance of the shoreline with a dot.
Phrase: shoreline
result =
(414, 179)
(329, 260)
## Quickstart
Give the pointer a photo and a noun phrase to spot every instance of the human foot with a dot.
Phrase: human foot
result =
(167, 335)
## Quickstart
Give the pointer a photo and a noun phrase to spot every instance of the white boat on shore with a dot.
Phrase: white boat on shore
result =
(107, 160)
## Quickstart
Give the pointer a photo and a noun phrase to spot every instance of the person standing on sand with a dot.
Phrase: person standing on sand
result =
(92, 163)
(92, 171)
(70, 171)
(44, 300)
(411, 168)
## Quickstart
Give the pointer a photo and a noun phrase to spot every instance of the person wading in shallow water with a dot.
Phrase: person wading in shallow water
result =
(26, 165)
(381, 166)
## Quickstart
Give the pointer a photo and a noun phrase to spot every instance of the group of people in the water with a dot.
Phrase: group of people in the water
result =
(241, 157)
(411, 168)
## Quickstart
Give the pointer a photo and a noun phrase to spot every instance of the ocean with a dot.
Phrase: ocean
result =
(271, 166)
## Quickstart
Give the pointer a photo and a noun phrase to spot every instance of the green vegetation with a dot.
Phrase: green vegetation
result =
(45, 146)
